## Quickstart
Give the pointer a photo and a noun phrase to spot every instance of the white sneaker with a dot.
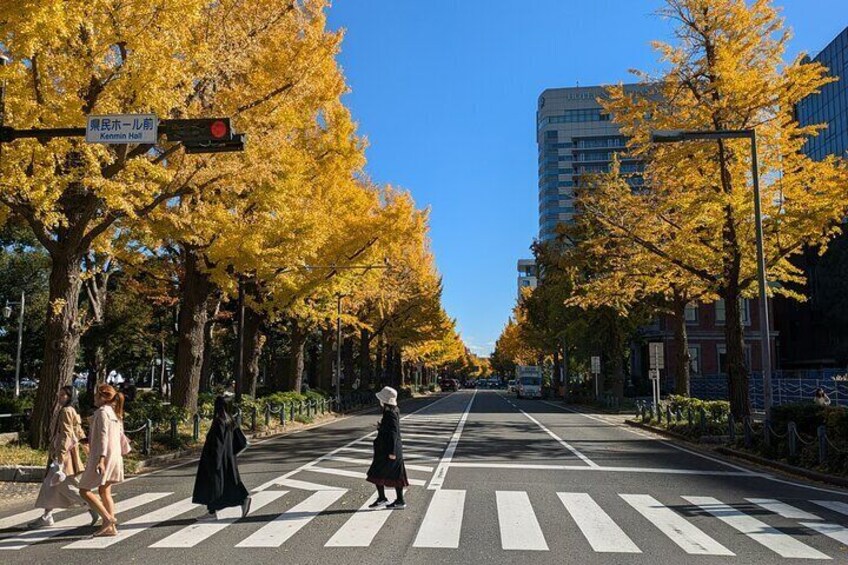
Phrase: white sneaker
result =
(209, 517)
(41, 522)
(245, 506)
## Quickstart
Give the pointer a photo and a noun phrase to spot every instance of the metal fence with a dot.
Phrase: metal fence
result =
(787, 387)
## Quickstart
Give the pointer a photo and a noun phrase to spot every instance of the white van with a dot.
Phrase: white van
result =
(528, 387)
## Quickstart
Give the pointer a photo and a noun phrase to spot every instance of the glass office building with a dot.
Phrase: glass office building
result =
(575, 137)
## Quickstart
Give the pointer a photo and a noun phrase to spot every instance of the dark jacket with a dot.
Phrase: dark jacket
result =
(218, 484)
(385, 471)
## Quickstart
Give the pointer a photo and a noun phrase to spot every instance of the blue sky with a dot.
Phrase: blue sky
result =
(445, 91)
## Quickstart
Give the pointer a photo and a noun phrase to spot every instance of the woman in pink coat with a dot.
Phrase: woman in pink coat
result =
(105, 464)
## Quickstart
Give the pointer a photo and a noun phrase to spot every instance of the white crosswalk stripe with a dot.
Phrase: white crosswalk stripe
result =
(196, 533)
(772, 538)
(518, 524)
(442, 523)
(68, 525)
(782, 509)
(602, 533)
(136, 525)
(287, 524)
(834, 505)
(20, 519)
(360, 529)
(690, 539)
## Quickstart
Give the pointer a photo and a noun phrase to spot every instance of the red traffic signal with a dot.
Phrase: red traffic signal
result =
(219, 129)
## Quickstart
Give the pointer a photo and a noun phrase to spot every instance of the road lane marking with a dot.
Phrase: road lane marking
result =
(598, 528)
(442, 523)
(559, 440)
(679, 530)
(287, 524)
(833, 531)
(304, 485)
(137, 525)
(767, 536)
(347, 446)
(68, 525)
(518, 524)
(192, 535)
(782, 509)
(601, 468)
(835, 506)
(22, 518)
(441, 470)
(367, 462)
(360, 529)
(356, 475)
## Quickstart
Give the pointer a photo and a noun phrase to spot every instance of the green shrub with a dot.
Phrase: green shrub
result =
(11, 405)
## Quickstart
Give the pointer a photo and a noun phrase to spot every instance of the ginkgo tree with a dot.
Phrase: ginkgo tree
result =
(725, 72)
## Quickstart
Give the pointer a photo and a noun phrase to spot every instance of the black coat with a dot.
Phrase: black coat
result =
(385, 471)
(218, 484)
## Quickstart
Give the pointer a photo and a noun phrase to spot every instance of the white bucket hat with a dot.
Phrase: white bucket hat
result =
(388, 396)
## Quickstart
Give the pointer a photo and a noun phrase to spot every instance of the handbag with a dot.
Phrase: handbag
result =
(240, 442)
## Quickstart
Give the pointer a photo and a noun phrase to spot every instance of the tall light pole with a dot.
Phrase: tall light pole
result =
(7, 313)
(765, 338)
(339, 297)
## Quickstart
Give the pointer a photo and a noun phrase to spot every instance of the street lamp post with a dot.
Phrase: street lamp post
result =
(7, 313)
(339, 348)
(765, 340)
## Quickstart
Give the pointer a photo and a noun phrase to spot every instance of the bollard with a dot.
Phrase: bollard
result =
(678, 415)
(283, 414)
(689, 415)
(659, 413)
(792, 432)
(148, 430)
(644, 413)
(746, 425)
(668, 416)
(767, 433)
(731, 428)
(253, 419)
(267, 415)
(308, 409)
(702, 414)
(174, 429)
(291, 415)
(821, 433)
(195, 428)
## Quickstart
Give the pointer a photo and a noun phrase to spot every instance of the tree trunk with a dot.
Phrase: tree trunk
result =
(252, 351)
(325, 374)
(96, 364)
(196, 290)
(737, 372)
(364, 357)
(681, 339)
(298, 341)
(313, 363)
(208, 336)
(347, 362)
(61, 344)
(378, 366)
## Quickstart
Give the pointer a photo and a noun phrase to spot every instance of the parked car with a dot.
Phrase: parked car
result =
(449, 385)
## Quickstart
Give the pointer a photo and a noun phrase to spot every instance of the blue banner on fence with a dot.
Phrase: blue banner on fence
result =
(786, 388)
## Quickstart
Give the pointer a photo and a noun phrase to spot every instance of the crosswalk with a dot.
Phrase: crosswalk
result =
(609, 524)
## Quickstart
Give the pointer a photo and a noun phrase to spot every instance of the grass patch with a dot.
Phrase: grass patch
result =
(19, 454)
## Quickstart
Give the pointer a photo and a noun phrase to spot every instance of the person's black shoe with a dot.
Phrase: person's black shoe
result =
(379, 502)
(396, 505)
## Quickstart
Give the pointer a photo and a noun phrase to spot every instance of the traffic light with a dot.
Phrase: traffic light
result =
(204, 135)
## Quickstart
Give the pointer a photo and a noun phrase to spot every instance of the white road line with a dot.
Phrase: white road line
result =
(767, 536)
(598, 528)
(304, 485)
(414, 448)
(439, 475)
(782, 509)
(596, 468)
(348, 445)
(834, 531)
(356, 475)
(360, 529)
(835, 506)
(22, 518)
(559, 440)
(367, 462)
(442, 523)
(197, 532)
(68, 525)
(418, 438)
(136, 525)
(690, 539)
(518, 524)
(287, 524)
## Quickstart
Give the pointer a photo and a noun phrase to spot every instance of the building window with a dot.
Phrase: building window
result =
(694, 359)
(691, 313)
(744, 311)
(722, 357)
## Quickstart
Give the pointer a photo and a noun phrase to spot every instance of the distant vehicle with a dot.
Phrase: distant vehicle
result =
(449, 385)
(28, 383)
(494, 383)
(528, 381)
(510, 385)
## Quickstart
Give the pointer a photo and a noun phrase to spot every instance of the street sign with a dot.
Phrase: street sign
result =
(596, 365)
(656, 355)
(654, 374)
(114, 129)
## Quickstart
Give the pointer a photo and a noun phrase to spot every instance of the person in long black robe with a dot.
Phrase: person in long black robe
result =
(387, 467)
(218, 483)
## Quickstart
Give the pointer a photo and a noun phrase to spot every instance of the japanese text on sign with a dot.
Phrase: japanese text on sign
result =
(122, 128)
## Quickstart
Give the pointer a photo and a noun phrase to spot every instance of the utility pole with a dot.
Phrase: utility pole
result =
(339, 348)
(7, 313)
(239, 372)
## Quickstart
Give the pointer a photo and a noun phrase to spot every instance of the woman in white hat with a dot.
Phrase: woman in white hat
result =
(387, 468)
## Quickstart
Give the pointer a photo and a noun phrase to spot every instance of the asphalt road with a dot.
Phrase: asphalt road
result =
(495, 480)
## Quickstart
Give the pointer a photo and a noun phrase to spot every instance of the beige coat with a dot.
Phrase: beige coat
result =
(65, 435)
(104, 440)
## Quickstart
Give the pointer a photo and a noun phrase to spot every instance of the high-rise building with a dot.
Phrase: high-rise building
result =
(815, 333)
(526, 274)
(575, 136)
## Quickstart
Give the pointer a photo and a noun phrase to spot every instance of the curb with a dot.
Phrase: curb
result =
(22, 473)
